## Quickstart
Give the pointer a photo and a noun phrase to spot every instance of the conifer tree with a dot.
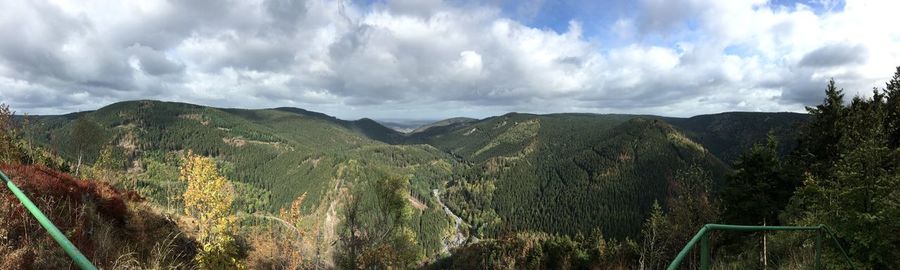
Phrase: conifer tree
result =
(855, 189)
(758, 189)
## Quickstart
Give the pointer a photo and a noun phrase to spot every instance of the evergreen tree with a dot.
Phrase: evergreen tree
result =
(892, 102)
(758, 190)
(816, 146)
(856, 188)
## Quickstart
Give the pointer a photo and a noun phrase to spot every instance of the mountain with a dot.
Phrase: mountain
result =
(729, 134)
(367, 127)
(273, 156)
(569, 173)
(564, 173)
(445, 122)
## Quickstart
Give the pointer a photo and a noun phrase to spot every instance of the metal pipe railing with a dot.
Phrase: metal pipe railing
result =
(703, 237)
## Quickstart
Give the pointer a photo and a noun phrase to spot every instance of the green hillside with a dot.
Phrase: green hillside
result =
(272, 155)
(560, 173)
(565, 173)
(727, 135)
(569, 174)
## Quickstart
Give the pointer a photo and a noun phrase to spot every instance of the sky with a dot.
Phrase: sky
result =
(432, 59)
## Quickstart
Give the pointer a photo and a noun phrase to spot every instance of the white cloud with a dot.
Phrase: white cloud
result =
(438, 59)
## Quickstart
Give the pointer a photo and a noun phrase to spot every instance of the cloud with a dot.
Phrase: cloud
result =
(834, 55)
(154, 62)
(435, 59)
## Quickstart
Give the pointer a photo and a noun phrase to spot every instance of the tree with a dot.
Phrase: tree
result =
(816, 146)
(690, 206)
(653, 248)
(351, 241)
(293, 216)
(379, 237)
(107, 165)
(855, 189)
(892, 102)
(208, 200)
(8, 136)
(86, 136)
(758, 189)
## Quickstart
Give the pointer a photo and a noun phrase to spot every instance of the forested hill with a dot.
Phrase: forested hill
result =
(729, 134)
(565, 173)
(273, 156)
(365, 126)
(725, 135)
(570, 173)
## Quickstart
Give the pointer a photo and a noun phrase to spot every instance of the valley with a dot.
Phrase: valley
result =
(449, 134)
(339, 193)
(502, 173)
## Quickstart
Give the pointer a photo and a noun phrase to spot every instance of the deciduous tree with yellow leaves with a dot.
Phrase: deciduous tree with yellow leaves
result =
(208, 200)
(293, 216)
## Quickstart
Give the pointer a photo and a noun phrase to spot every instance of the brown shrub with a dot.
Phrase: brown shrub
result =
(21, 258)
(95, 218)
(274, 249)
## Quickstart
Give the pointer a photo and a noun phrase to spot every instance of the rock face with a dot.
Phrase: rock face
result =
(458, 238)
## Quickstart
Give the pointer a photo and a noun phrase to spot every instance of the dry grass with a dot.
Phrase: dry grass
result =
(115, 230)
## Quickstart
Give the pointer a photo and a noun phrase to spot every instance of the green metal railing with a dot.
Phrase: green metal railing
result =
(57, 235)
(702, 236)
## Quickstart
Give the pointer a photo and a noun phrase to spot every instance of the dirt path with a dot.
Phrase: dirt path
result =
(416, 203)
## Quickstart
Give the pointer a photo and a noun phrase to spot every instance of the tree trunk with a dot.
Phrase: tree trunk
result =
(78, 167)
(765, 256)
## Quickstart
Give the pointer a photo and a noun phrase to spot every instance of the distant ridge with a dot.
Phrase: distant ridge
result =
(556, 173)
(445, 122)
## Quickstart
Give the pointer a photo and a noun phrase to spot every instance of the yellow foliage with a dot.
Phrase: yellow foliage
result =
(106, 166)
(208, 200)
(8, 149)
(293, 216)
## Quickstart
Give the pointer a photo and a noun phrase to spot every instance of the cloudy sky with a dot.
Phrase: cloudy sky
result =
(429, 59)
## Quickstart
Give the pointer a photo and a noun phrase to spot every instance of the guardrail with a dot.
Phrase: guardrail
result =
(703, 237)
(80, 260)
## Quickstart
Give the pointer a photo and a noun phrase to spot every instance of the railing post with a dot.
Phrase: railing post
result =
(819, 249)
(703, 238)
(704, 252)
